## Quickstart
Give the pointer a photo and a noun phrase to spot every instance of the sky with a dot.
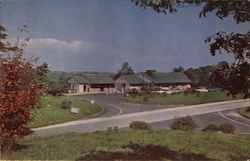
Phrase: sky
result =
(100, 35)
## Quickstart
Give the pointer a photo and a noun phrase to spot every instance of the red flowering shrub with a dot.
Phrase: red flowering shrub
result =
(20, 90)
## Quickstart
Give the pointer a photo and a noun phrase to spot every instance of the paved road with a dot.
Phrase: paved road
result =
(81, 126)
(114, 105)
(241, 124)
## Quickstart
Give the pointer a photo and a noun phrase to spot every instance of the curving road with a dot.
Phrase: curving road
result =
(156, 117)
(241, 124)
(114, 105)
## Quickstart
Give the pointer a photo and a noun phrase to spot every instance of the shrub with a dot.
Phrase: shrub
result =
(133, 93)
(184, 123)
(133, 96)
(115, 128)
(140, 93)
(109, 129)
(248, 109)
(55, 92)
(139, 125)
(66, 104)
(190, 91)
(245, 111)
(211, 128)
(146, 90)
(156, 89)
(186, 92)
(198, 94)
(112, 129)
(164, 94)
(226, 128)
(125, 95)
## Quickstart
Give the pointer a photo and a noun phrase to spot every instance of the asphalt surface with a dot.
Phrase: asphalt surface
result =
(241, 124)
(114, 105)
(158, 116)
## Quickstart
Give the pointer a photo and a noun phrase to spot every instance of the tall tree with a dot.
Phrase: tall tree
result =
(201, 76)
(237, 44)
(178, 69)
(193, 75)
(20, 90)
(125, 70)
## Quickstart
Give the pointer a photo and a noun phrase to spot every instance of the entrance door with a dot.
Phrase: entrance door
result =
(123, 88)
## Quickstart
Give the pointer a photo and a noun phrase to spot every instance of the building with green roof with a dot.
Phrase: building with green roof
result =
(167, 79)
(104, 83)
(153, 79)
(131, 81)
(91, 83)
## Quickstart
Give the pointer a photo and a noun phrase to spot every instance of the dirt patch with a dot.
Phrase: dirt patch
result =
(13, 147)
(143, 152)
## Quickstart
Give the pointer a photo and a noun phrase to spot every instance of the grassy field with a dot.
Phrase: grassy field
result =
(181, 99)
(50, 111)
(214, 146)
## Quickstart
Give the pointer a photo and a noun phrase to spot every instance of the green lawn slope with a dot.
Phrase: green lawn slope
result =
(50, 111)
(117, 144)
(182, 99)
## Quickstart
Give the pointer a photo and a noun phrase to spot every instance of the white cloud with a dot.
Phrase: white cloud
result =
(93, 56)
(59, 47)
(60, 54)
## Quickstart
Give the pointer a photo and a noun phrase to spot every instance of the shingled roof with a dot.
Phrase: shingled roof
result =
(92, 79)
(155, 77)
(167, 78)
(132, 79)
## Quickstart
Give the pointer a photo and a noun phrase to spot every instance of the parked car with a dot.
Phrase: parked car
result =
(202, 90)
(214, 90)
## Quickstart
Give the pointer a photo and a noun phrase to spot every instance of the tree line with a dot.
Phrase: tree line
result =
(234, 77)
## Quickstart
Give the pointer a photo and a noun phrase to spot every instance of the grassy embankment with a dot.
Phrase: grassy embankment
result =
(182, 99)
(50, 111)
(166, 144)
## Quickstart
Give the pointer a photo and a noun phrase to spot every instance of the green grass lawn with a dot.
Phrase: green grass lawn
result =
(50, 111)
(181, 99)
(216, 146)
